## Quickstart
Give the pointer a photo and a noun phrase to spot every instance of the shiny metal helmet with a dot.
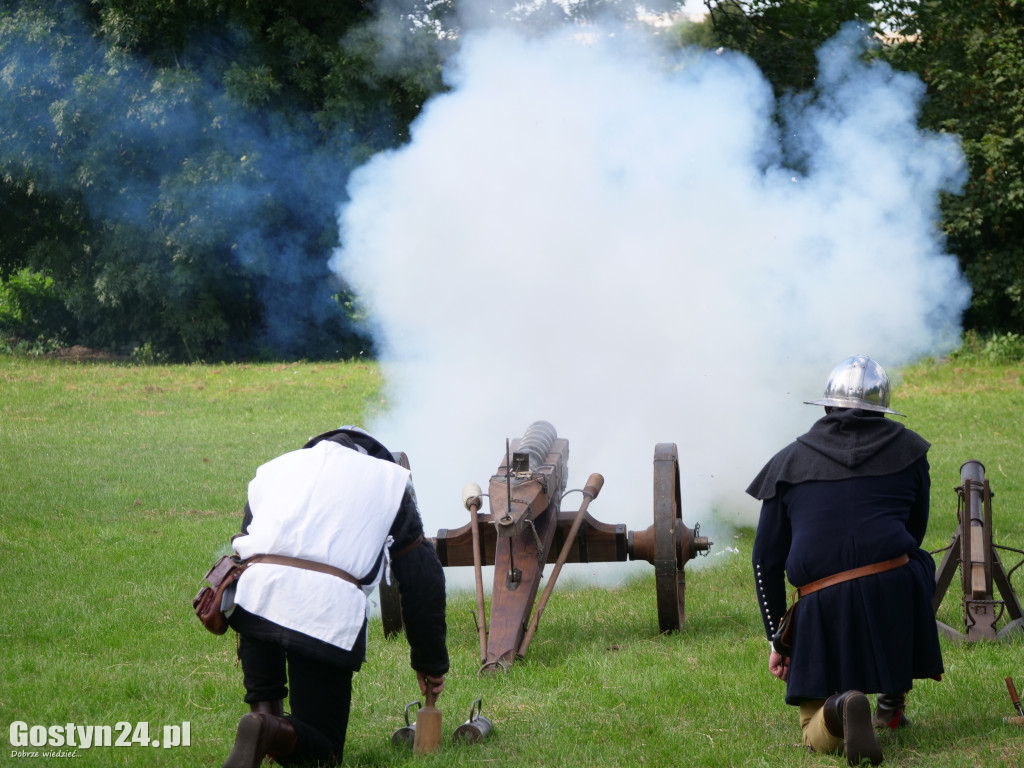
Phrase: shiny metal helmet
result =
(857, 382)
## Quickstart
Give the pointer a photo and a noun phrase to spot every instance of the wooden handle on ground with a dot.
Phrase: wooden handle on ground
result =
(428, 725)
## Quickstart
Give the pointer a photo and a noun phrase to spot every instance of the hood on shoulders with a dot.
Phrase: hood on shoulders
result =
(843, 444)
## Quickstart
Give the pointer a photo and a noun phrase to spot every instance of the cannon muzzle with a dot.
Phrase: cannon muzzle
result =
(534, 447)
(524, 489)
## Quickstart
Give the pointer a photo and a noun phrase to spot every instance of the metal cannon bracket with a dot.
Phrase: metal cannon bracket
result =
(526, 529)
(972, 550)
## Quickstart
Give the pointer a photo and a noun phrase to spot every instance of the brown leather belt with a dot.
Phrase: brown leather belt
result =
(853, 573)
(309, 565)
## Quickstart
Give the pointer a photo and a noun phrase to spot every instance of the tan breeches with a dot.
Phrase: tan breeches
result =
(816, 735)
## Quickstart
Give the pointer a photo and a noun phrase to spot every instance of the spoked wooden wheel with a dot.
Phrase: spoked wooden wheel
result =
(675, 544)
(669, 576)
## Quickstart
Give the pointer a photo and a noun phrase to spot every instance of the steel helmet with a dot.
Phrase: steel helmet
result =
(857, 382)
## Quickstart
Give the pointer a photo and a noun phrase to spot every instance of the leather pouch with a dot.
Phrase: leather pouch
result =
(207, 602)
(782, 640)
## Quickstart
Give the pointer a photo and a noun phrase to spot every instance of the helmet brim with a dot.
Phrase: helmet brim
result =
(843, 402)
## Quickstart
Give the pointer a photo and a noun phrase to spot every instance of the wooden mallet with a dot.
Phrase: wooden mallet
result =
(428, 725)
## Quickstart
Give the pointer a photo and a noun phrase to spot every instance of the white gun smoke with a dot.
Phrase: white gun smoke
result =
(619, 240)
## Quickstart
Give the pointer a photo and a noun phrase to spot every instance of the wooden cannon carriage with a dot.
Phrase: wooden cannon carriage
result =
(526, 529)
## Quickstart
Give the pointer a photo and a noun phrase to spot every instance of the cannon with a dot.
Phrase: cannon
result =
(981, 570)
(526, 529)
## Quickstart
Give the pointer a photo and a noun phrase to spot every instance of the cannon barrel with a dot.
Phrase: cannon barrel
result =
(973, 551)
(977, 574)
(536, 444)
(520, 493)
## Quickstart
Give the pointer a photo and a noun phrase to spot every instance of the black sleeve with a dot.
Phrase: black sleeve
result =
(771, 548)
(917, 523)
(421, 588)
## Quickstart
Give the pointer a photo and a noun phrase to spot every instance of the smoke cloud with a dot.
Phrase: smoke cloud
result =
(619, 240)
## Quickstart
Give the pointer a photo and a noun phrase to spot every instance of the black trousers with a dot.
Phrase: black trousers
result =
(321, 696)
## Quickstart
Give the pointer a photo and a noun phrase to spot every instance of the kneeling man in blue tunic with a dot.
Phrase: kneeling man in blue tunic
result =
(844, 511)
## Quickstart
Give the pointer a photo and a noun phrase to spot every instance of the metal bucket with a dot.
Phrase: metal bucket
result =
(477, 728)
(405, 735)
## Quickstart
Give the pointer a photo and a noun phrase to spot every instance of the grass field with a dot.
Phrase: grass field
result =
(119, 482)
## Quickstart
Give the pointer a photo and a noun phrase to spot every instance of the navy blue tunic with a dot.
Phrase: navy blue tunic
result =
(874, 634)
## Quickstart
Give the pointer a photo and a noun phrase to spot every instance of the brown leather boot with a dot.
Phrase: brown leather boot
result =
(889, 712)
(261, 734)
(849, 715)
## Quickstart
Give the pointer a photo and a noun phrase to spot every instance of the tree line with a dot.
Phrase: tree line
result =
(170, 173)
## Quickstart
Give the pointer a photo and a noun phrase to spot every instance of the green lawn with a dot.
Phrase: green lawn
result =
(121, 484)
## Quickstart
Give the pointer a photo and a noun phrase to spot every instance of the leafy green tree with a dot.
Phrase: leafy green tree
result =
(362, 68)
(971, 56)
(783, 36)
(30, 307)
(189, 159)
